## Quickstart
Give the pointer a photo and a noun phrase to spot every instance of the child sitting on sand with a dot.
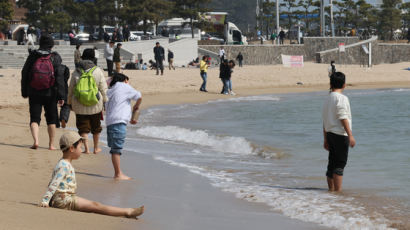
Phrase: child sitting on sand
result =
(61, 189)
(118, 114)
(337, 131)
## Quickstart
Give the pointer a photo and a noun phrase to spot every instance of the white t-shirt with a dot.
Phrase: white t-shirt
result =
(336, 108)
(221, 52)
(118, 107)
(97, 54)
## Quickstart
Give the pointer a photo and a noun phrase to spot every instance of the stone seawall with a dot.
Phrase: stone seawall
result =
(271, 54)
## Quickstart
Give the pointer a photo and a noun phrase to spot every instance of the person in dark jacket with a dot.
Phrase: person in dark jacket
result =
(126, 33)
(171, 60)
(46, 98)
(240, 59)
(281, 37)
(64, 71)
(117, 58)
(159, 53)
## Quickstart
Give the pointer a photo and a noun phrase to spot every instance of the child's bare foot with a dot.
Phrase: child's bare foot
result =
(122, 177)
(51, 147)
(97, 150)
(86, 152)
(63, 124)
(34, 146)
(134, 212)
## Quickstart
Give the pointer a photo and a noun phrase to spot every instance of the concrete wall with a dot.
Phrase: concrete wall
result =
(391, 53)
(258, 54)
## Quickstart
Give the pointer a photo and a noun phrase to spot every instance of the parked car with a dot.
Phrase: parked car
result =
(135, 36)
(82, 37)
(210, 37)
(56, 36)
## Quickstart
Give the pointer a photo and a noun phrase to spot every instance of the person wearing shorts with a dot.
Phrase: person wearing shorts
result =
(88, 118)
(337, 131)
(118, 114)
(61, 191)
(46, 98)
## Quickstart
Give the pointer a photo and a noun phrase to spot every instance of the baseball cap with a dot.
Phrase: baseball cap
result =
(68, 139)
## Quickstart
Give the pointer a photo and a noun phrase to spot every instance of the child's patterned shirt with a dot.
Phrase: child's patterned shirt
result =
(62, 181)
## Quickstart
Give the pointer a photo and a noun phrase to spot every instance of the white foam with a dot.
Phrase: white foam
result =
(250, 98)
(334, 211)
(238, 145)
(225, 144)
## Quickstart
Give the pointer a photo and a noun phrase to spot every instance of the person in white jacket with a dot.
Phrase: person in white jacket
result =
(109, 55)
(118, 114)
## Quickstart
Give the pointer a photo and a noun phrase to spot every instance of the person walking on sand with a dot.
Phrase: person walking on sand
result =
(337, 131)
(109, 55)
(117, 58)
(170, 60)
(203, 67)
(118, 114)
(159, 57)
(86, 95)
(44, 88)
(77, 55)
(240, 59)
(61, 191)
(332, 68)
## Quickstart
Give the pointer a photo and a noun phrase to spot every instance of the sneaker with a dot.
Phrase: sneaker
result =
(226, 93)
(233, 93)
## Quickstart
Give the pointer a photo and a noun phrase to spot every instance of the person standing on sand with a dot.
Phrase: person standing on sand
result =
(159, 53)
(108, 54)
(118, 114)
(332, 68)
(117, 58)
(240, 59)
(61, 192)
(44, 87)
(77, 55)
(88, 118)
(337, 131)
(203, 67)
(171, 60)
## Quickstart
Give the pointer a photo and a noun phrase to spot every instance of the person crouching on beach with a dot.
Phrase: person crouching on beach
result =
(337, 131)
(61, 189)
(118, 114)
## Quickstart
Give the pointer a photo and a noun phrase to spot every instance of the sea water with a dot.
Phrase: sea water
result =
(268, 149)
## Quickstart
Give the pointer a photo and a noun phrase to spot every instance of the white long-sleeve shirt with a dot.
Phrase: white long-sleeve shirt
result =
(109, 52)
(335, 109)
(118, 107)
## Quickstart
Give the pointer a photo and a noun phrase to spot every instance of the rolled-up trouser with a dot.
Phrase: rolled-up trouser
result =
(110, 65)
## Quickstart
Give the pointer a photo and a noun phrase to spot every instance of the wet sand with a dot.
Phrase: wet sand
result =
(174, 198)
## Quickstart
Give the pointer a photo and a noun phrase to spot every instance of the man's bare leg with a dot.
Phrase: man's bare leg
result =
(337, 179)
(96, 138)
(118, 174)
(85, 137)
(330, 184)
(85, 205)
(34, 132)
(51, 134)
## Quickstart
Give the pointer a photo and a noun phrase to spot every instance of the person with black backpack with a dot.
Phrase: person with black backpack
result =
(44, 87)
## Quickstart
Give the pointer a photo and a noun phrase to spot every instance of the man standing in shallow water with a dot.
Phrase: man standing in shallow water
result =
(337, 132)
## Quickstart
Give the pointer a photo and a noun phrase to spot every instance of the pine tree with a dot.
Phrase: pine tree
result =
(389, 19)
(6, 13)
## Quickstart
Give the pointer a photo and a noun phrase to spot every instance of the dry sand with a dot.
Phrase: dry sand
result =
(25, 173)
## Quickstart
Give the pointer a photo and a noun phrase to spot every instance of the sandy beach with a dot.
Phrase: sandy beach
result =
(171, 195)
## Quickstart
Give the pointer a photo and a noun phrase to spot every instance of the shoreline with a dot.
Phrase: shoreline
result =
(24, 168)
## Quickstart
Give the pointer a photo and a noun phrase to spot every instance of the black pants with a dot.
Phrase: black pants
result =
(36, 104)
(160, 65)
(110, 66)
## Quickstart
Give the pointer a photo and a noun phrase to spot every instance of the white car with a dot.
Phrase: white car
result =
(83, 37)
(135, 36)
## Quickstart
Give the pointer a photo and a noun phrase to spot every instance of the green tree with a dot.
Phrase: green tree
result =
(268, 16)
(47, 14)
(309, 7)
(389, 18)
(190, 9)
(6, 13)
(289, 5)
